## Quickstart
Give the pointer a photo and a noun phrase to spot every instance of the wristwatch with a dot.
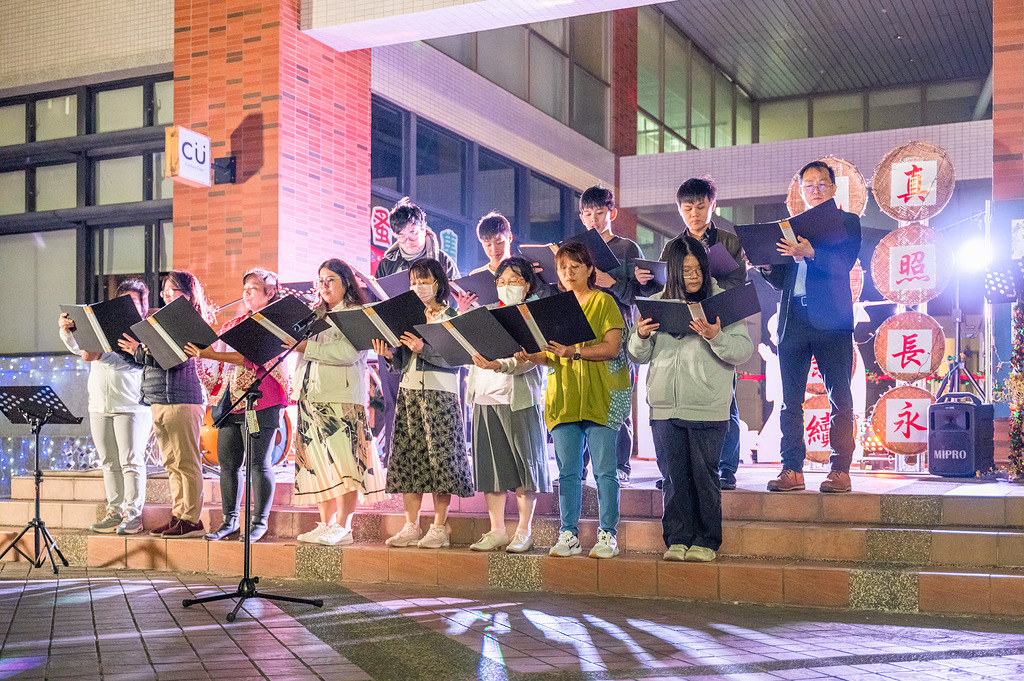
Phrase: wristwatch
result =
(576, 355)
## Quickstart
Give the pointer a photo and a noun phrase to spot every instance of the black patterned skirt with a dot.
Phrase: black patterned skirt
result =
(429, 450)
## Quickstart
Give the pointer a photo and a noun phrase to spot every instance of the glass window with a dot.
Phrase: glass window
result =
(386, 145)
(589, 43)
(461, 48)
(785, 120)
(674, 142)
(649, 241)
(12, 124)
(949, 102)
(838, 115)
(649, 61)
(56, 117)
(452, 236)
(163, 102)
(648, 135)
(119, 109)
(495, 186)
(121, 250)
(677, 58)
(554, 31)
(590, 106)
(440, 162)
(119, 180)
(723, 110)
(700, 104)
(41, 268)
(548, 87)
(545, 211)
(891, 109)
(163, 186)
(501, 58)
(166, 250)
(12, 192)
(57, 187)
(744, 118)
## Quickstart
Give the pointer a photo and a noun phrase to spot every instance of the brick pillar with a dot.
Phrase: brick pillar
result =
(624, 107)
(296, 115)
(1007, 100)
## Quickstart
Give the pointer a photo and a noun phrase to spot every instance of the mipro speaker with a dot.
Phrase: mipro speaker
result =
(960, 436)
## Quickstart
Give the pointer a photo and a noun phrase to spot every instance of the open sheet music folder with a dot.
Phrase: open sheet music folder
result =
(480, 284)
(544, 254)
(98, 327)
(822, 224)
(386, 320)
(476, 331)
(557, 318)
(166, 332)
(675, 316)
(261, 337)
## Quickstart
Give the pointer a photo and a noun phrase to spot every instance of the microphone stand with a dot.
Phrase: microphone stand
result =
(247, 587)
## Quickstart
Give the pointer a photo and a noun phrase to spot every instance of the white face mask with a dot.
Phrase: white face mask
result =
(511, 295)
(425, 292)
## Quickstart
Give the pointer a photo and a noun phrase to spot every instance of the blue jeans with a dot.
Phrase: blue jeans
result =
(569, 439)
(729, 462)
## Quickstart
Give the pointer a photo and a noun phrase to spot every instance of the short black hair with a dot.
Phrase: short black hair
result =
(597, 197)
(697, 188)
(522, 267)
(405, 212)
(820, 165)
(137, 287)
(425, 266)
(492, 225)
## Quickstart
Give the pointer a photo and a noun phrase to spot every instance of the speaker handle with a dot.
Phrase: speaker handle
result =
(960, 397)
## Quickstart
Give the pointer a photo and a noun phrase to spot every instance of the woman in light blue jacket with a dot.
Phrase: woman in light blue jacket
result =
(509, 440)
(689, 390)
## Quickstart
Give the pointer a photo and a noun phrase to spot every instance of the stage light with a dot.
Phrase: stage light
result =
(975, 254)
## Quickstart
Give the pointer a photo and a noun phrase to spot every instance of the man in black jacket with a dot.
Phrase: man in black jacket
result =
(816, 319)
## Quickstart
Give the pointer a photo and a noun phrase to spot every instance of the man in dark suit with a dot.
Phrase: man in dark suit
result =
(816, 319)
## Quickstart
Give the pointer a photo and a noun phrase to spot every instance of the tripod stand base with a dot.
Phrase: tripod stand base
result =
(44, 548)
(247, 589)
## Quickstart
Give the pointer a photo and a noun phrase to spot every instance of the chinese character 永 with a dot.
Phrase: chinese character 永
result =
(907, 420)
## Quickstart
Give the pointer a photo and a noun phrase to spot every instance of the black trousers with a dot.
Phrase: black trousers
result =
(231, 456)
(687, 453)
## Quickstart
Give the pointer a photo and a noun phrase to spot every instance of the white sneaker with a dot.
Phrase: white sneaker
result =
(568, 545)
(606, 546)
(622, 477)
(314, 534)
(676, 552)
(436, 537)
(491, 541)
(407, 536)
(336, 535)
(699, 554)
(521, 543)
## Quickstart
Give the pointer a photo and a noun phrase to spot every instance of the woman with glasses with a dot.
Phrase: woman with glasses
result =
(178, 404)
(588, 396)
(689, 390)
(509, 443)
(429, 451)
(336, 460)
(230, 376)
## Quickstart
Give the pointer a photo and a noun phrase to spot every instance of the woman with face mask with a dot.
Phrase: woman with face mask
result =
(509, 442)
(689, 390)
(428, 454)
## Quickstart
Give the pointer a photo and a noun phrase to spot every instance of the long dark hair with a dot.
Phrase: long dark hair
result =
(522, 267)
(425, 266)
(189, 285)
(675, 283)
(353, 294)
(577, 252)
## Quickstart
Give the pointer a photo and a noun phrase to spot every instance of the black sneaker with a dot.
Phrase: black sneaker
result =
(727, 481)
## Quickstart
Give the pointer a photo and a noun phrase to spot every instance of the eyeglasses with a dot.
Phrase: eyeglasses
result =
(570, 268)
(327, 283)
(410, 237)
(691, 273)
(820, 186)
(512, 281)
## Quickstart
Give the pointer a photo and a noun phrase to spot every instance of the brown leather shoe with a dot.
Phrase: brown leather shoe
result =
(788, 481)
(837, 481)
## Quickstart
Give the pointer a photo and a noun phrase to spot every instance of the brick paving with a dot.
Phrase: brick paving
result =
(126, 624)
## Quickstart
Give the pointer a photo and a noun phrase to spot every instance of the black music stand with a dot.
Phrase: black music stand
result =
(247, 587)
(36, 405)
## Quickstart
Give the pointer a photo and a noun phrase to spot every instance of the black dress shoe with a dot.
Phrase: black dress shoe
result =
(227, 528)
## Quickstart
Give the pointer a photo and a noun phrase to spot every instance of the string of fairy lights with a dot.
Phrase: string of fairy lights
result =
(62, 447)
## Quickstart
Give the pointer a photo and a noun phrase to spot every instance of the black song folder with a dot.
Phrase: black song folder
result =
(481, 284)
(657, 268)
(822, 224)
(166, 332)
(720, 261)
(386, 320)
(260, 337)
(557, 318)
(543, 255)
(476, 331)
(373, 291)
(602, 256)
(394, 284)
(675, 316)
(98, 327)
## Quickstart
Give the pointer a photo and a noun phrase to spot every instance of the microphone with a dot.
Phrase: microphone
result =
(318, 312)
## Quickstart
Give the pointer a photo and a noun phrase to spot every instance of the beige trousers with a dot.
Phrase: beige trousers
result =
(177, 432)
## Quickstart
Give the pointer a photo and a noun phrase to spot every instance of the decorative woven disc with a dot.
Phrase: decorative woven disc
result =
(910, 346)
(900, 420)
(856, 280)
(816, 419)
(911, 265)
(853, 187)
(816, 384)
(913, 182)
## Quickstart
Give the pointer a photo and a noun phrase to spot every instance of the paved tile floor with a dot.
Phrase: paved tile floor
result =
(103, 624)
